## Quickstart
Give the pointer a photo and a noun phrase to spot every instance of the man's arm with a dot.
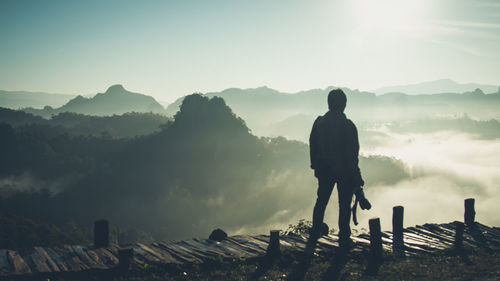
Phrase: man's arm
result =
(353, 154)
(313, 144)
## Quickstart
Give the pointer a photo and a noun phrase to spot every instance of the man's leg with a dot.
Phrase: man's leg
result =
(325, 187)
(345, 199)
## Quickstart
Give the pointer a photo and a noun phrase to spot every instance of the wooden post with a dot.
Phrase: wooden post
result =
(273, 250)
(398, 247)
(125, 257)
(459, 235)
(375, 257)
(470, 213)
(101, 234)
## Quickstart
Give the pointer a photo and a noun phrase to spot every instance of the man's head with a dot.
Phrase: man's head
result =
(337, 100)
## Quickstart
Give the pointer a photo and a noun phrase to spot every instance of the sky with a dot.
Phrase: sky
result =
(168, 49)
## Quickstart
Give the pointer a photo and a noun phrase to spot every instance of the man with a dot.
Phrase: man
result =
(334, 149)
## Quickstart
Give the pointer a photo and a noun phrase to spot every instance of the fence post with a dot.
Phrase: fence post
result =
(375, 256)
(273, 250)
(125, 257)
(101, 234)
(459, 235)
(470, 213)
(398, 247)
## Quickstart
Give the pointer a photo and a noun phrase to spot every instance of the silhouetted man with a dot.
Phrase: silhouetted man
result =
(334, 149)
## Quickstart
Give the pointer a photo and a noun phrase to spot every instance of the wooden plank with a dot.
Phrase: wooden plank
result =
(430, 237)
(182, 249)
(107, 257)
(47, 259)
(85, 258)
(57, 259)
(144, 255)
(429, 232)
(179, 253)
(249, 250)
(414, 237)
(202, 249)
(5, 266)
(249, 241)
(249, 246)
(39, 263)
(491, 233)
(152, 253)
(224, 248)
(165, 254)
(95, 257)
(71, 259)
(296, 240)
(442, 232)
(19, 265)
(233, 249)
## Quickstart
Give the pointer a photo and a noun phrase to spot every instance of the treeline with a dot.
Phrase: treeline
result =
(116, 126)
(202, 170)
(487, 129)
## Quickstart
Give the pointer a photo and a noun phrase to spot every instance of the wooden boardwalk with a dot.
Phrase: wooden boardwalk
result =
(424, 239)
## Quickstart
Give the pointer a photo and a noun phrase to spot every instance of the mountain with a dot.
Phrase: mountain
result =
(116, 100)
(22, 99)
(271, 113)
(436, 87)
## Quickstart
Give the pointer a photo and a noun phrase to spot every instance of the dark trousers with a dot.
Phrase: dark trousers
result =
(325, 187)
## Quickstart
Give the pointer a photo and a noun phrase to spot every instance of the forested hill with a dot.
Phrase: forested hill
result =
(201, 171)
(116, 126)
(116, 100)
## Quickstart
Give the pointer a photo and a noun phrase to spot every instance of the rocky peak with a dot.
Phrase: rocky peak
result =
(115, 89)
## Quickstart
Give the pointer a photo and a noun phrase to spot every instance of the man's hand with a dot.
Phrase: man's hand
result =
(363, 202)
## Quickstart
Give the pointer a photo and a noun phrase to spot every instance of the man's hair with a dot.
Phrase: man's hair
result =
(337, 100)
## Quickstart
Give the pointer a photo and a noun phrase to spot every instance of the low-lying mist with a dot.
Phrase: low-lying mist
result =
(429, 173)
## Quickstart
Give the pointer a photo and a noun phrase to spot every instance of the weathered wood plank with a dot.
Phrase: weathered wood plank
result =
(106, 257)
(233, 249)
(72, 260)
(99, 264)
(85, 258)
(5, 266)
(179, 253)
(250, 247)
(39, 263)
(251, 241)
(144, 255)
(431, 238)
(203, 249)
(167, 256)
(47, 259)
(19, 265)
(163, 256)
(57, 259)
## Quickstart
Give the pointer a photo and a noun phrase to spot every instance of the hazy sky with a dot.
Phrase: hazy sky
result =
(172, 48)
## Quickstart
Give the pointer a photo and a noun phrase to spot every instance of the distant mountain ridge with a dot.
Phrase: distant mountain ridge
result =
(116, 100)
(23, 99)
(437, 87)
(268, 112)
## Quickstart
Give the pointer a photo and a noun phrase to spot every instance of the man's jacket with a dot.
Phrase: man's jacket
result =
(334, 148)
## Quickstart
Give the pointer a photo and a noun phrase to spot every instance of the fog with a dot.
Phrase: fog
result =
(436, 172)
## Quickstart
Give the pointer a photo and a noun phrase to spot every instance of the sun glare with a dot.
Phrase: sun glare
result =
(388, 15)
